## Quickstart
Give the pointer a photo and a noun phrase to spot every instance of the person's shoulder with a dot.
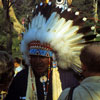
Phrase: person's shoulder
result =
(80, 92)
(21, 67)
(64, 94)
(66, 90)
(22, 73)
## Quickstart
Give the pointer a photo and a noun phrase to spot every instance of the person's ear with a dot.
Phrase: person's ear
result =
(84, 68)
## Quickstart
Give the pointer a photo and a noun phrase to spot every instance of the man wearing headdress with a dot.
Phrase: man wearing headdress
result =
(50, 47)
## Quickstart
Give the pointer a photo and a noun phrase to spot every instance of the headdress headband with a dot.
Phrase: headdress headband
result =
(42, 49)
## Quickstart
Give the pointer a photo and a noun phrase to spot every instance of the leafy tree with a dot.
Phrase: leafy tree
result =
(8, 24)
(23, 10)
(8, 35)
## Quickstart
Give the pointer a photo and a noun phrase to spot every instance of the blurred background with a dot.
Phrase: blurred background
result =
(15, 15)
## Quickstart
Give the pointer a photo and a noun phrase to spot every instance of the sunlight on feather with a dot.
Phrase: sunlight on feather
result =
(76, 48)
(59, 24)
(75, 38)
(71, 32)
(53, 28)
(66, 27)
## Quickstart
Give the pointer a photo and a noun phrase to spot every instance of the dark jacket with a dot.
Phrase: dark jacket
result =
(18, 87)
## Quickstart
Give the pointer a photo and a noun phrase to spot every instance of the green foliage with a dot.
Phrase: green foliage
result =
(98, 38)
(3, 37)
(86, 9)
(16, 46)
(2, 20)
(23, 9)
(3, 34)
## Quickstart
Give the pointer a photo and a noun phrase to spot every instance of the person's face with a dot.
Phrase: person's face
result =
(39, 63)
(16, 64)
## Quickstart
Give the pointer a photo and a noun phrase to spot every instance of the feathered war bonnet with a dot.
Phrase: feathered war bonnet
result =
(57, 31)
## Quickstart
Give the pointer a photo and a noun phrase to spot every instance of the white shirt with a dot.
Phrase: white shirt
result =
(18, 69)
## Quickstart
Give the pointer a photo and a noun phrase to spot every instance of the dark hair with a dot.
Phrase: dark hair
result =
(24, 63)
(90, 57)
(17, 60)
(6, 67)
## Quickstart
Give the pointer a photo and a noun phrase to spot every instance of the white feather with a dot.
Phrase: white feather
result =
(77, 48)
(53, 28)
(71, 32)
(50, 21)
(65, 27)
(43, 21)
(59, 25)
(75, 38)
(33, 22)
(37, 20)
(40, 21)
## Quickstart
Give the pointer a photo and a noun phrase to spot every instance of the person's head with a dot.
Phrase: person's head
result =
(40, 59)
(17, 62)
(6, 69)
(90, 58)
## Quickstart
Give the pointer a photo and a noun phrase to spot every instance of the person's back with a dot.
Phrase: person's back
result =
(6, 72)
(89, 88)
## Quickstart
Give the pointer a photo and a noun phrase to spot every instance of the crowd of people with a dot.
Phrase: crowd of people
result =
(54, 65)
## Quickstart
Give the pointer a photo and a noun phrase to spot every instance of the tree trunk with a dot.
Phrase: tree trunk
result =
(9, 25)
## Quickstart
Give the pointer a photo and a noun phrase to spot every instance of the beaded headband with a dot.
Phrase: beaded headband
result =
(42, 49)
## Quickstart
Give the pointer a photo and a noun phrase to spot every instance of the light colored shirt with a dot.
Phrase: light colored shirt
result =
(18, 69)
(89, 89)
